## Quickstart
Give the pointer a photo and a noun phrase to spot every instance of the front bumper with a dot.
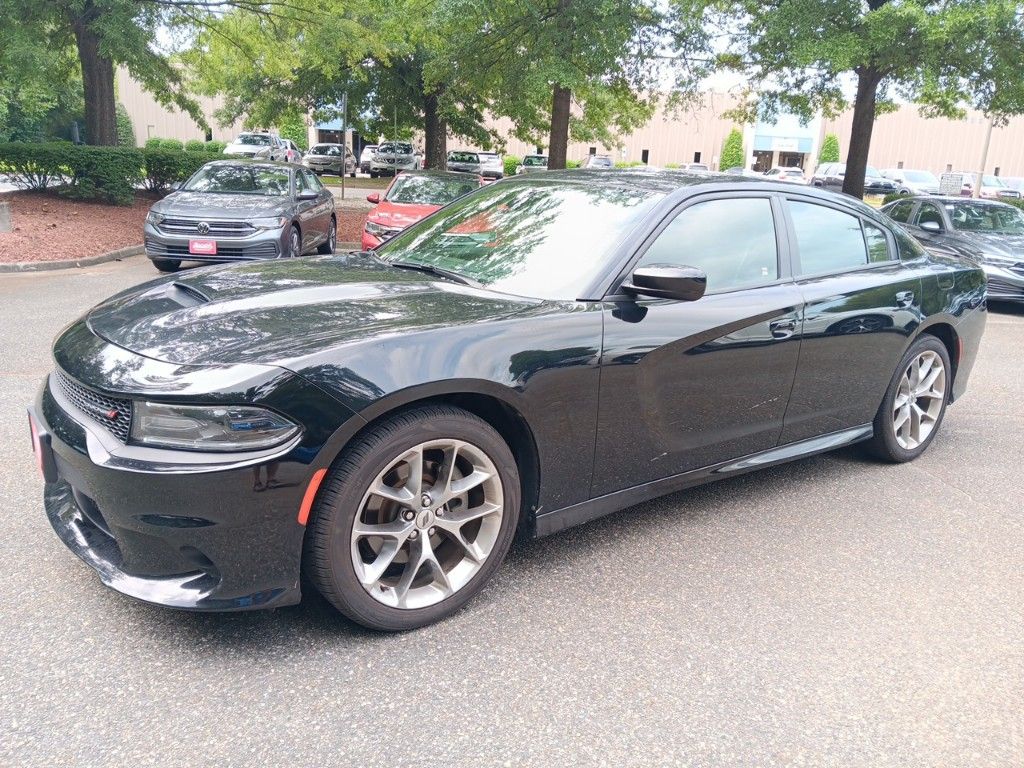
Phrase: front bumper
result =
(261, 244)
(1005, 283)
(385, 166)
(324, 166)
(217, 534)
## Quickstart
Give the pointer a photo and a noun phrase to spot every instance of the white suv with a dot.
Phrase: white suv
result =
(258, 144)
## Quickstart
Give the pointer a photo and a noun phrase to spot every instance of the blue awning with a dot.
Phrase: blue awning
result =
(783, 144)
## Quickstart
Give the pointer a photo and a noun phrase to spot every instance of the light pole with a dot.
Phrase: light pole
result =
(984, 157)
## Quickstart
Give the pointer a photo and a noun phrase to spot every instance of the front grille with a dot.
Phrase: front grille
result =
(263, 250)
(215, 228)
(114, 414)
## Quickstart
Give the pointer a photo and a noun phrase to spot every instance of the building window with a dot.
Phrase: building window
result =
(997, 170)
(645, 155)
(949, 167)
(696, 157)
(540, 150)
(593, 151)
(899, 164)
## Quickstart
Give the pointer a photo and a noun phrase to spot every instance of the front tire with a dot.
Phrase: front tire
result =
(294, 242)
(167, 265)
(914, 404)
(413, 519)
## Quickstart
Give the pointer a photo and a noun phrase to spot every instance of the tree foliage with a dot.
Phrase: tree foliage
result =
(732, 151)
(829, 149)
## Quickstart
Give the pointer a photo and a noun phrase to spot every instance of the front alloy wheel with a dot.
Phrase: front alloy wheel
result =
(414, 518)
(294, 242)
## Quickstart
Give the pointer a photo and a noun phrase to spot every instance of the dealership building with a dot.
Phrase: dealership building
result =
(694, 134)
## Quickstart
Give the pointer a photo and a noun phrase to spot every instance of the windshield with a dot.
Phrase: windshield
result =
(240, 179)
(429, 190)
(253, 139)
(597, 161)
(920, 177)
(325, 149)
(463, 157)
(979, 217)
(541, 240)
(535, 160)
(872, 173)
(394, 148)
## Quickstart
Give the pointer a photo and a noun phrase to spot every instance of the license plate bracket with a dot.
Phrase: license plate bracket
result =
(203, 247)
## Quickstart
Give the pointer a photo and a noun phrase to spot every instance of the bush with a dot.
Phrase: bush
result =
(195, 145)
(573, 163)
(125, 131)
(216, 146)
(174, 145)
(1013, 202)
(672, 166)
(35, 166)
(293, 126)
(628, 164)
(104, 173)
(153, 143)
(732, 151)
(893, 196)
(164, 167)
(511, 163)
(829, 150)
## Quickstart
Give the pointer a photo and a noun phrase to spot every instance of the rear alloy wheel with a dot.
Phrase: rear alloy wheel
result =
(327, 247)
(167, 265)
(414, 519)
(294, 242)
(915, 402)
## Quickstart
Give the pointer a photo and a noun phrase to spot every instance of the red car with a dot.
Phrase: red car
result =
(412, 196)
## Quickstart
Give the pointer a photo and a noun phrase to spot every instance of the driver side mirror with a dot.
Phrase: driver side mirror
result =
(374, 198)
(667, 281)
(930, 226)
(306, 196)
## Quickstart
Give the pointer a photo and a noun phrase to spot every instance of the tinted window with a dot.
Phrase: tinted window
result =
(732, 240)
(878, 244)
(900, 211)
(909, 247)
(301, 183)
(928, 212)
(828, 240)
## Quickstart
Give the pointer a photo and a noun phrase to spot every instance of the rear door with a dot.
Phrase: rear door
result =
(687, 384)
(861, 303)
(310, 212)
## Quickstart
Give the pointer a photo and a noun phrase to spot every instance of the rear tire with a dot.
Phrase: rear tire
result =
(914, 404)
(327, 247)
(458, 537)
(167, 265)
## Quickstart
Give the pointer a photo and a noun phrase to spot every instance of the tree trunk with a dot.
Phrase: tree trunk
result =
(435, 134)
(97, 82)
(558, 142)
(860, 133)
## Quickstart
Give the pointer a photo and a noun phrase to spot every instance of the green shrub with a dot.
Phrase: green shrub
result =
(511, 163)
(153, 143)
(109, 174)
(195, 145)
(35, 166)
(293, 126)
(573, 163)
(829, 149)
(732, 151)
(628, 164)
(672, 166)
(125, 131)
(216, 146)
(893, 196)
(1013, 202)
(175, 145)
(164, 167)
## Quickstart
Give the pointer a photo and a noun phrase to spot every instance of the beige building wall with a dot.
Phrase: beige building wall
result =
(151, 120)
(937, 144)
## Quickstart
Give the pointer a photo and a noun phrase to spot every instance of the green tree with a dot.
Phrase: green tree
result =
(829, 149)
(292, 125)
(125, 130)
(732, 151)
(799, 55)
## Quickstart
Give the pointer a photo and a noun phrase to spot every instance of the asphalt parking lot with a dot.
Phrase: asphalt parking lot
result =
(831, 612)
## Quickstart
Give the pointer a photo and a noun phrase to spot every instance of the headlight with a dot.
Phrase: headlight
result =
(154, 218)
(275, 222)
(209, 428)
(379, 230)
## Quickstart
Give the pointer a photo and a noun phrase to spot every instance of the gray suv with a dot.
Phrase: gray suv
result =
(234, 210)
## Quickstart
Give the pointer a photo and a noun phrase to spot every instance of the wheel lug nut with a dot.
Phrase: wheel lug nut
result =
(425, 500)
(414, 535)
(432, 531)
(408, 514)
(440, 512)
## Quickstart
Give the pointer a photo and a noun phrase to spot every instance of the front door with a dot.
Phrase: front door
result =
(689, 384)
(861, 304)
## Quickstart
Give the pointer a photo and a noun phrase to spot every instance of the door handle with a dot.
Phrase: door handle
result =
(782, 329)
(904, 298)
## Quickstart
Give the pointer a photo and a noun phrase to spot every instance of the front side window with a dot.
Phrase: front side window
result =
(546, 241)
(731, 240)
(929, 213)
(827, 240)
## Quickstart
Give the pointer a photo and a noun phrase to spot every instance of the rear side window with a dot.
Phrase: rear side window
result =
(900, 211)
(828, 240)
(878, 243)
(732, 240)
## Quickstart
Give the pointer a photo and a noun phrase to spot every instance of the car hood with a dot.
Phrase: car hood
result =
(400, 214)
(204, 204)
(998, 245)
(277, 312)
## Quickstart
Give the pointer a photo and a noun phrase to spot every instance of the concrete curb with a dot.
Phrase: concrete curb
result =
(42, 266)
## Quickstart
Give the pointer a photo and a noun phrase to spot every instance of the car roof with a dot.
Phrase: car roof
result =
(462, 176)
(278, 164)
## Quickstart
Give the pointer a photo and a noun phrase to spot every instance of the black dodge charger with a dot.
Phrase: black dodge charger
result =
(544, 351)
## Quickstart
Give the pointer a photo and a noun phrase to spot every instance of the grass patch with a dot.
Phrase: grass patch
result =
(361, 182)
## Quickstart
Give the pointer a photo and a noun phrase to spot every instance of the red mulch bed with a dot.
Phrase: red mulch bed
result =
(48, 227)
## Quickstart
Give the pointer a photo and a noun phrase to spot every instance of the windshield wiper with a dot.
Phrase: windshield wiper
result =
(439, 271)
